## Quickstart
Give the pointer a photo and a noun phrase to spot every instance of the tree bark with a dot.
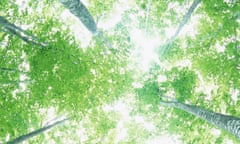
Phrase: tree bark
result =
(35, 133)
(77, 8)
(19, 32)
(227, 122)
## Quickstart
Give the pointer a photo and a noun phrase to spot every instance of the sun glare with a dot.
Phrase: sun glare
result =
(145, 46)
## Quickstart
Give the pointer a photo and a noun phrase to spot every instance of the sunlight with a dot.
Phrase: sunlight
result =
(121, 108)
(165, 139)
(161, 78)
(234, 94)
(145, 46)
(147, 125)
(216, 132)
(22, 4)
(114, 18)
(184, 63)
(170, 31)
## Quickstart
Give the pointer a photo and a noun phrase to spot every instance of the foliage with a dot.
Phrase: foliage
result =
(80, 81)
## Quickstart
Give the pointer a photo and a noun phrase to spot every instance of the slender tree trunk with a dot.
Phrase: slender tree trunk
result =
(181, 25)
(35, 133)
(229, 123)
(19, 32)
(147, 13)
(77, 8)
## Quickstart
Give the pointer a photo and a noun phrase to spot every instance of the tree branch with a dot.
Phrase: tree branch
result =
(35, 133)
(181, 25)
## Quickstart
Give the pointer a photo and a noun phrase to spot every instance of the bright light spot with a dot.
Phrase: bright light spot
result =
(162, 78)
(234, 94)
(115, 15)
(170, 31)
(165, 139)
(220, 48)
(121, 132)
(216, 132)
(137, 85)
(121, 71)
(50, 115)
(114, 18)
(208, 88)
(190, 29)
(7, 137)
(82, 133)
(80, 32)
(22, 4)
(93, 71)
(147, 125)
(173, 5)
(184, 63)
(145, 46)
(120, 107)
(227, 141)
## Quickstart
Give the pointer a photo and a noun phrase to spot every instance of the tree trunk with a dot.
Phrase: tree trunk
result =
(19, 32)
(35, 133)
(229, 123)
(77, 8)
(181, 25)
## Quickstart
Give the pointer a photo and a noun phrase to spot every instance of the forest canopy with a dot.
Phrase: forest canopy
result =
(96, 71)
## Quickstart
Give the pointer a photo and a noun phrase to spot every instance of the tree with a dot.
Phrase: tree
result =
(25, 137)
(19, 32)
(185, 19)
(229, 123)
(78, 9)
(112, 99)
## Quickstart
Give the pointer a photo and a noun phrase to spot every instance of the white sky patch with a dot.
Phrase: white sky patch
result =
(176, 7)
(4, 42)
(80, 32)
(50, 115)
(121, 132)
(115, 15)
(114, 18)
(22, 4)
(234, 94)
(219, 48)
(184, 63)
(170, 31)
(208, 88)
(190, 29)
(147, 125)
(137, 85)
(82, 133)
(162, 78)
(216, 132)
(165, 139)
(145, 46)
